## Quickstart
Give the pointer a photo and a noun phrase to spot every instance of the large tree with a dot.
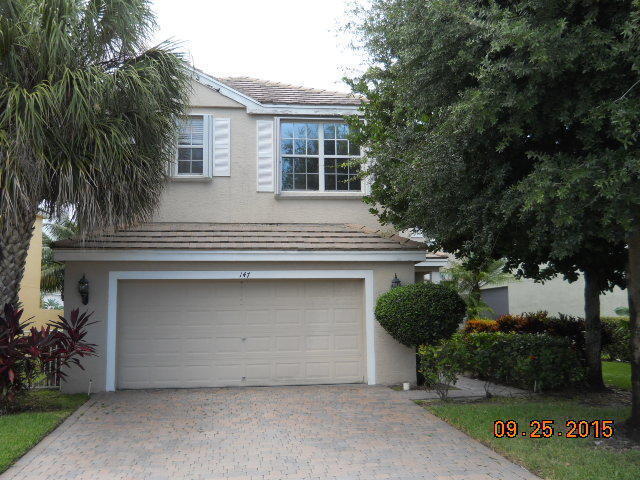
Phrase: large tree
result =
(87, 118)
(482, 117)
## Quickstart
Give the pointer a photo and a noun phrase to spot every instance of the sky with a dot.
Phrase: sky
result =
(290, 41)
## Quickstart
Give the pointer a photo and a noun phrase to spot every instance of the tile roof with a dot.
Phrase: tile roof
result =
(245, 236)
(268, 92)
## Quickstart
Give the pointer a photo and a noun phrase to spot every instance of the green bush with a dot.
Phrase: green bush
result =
(421, 313)
(619, 332)
(440, 366)
(566, 326)
(521, 360)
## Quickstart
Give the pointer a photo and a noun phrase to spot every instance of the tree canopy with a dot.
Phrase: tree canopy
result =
(507, 129)
(87, 117)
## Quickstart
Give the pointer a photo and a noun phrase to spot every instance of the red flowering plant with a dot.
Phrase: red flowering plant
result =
(25, 350)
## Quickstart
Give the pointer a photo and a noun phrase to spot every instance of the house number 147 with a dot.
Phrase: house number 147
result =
(245, 274)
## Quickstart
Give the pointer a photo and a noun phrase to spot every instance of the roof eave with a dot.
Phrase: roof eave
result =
(255, 107)
(169, 255)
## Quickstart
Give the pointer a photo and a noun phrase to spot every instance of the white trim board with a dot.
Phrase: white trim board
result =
(161, 255)
(112, 302)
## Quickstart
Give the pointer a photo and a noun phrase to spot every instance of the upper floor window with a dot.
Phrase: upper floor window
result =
(316, 156)
(191, 146)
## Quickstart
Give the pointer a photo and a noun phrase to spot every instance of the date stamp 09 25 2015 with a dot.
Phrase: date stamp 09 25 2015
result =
(547, 429)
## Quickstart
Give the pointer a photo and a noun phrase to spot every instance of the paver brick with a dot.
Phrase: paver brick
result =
(347, 432)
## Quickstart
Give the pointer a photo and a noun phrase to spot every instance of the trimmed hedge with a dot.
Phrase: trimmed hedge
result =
(565, 326)
(521, 360)
(421, 313)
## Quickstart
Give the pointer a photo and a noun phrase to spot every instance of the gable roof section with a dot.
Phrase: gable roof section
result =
(267, 92)
(264, 97)
(245, 236)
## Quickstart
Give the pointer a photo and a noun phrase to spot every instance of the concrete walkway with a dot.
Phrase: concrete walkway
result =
(283, 433)
(469, 388)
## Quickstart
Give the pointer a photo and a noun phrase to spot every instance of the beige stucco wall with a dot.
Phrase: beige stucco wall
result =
(234, 199)
(559, 296)
(394, 362)
(29, 293)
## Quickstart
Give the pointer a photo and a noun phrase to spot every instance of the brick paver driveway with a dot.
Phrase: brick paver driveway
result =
(280, 433)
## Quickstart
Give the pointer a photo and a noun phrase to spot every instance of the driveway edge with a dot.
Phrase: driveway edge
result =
(12, 472)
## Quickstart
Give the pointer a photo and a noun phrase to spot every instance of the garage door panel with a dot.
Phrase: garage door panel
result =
(258, 332)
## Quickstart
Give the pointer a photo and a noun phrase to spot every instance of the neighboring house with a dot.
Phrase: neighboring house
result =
(262, 265)
(29, 293)
(555, 296)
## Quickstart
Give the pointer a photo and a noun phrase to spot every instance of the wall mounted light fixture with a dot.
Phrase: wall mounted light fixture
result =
(396, 281)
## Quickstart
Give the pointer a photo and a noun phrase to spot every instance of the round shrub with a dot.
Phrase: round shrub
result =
(420, 314)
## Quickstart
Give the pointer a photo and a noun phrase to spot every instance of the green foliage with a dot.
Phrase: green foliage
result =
(440, 366)
(52, 272)
(527, 361)
(615, 331)
(619, 332)
(496, 128)
(469, 277)
(421, 313)
(88, 110)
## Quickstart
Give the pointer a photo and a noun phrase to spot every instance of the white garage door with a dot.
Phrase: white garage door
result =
(206, 333)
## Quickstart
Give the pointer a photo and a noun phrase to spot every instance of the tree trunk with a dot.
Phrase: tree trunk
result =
(593, 331)
(15, 237)
(633, 289)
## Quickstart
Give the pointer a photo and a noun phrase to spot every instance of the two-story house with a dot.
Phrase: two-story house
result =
(262, 265)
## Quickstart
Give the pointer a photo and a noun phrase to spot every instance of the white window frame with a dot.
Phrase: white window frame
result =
(206, 168)
(321, 157)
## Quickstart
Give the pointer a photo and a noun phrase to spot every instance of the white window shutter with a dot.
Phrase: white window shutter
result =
(207, 142)
(221, 151)
(265, 156)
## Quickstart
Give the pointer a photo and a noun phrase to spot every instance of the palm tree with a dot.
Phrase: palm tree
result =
(52, 272)
(87, 118)
(468, 277)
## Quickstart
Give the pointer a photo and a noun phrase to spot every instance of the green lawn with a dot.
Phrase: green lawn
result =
(617, 374)
(43, 411)
(556, 458)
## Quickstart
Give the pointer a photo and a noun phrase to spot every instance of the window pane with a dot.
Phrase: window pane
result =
(312, 181)
(287, 165)
(184, 167)
(196, 153)
(300, 130)
(299, 147)
(354, 149)
(329, 130)
(184, 154)
(355, 184)
(286, 147)
(299, 165)
(343, 147)
(342, 130)
(342, 167)
(287, 182)
(286, 129)
(300, 181)
(329, 182)
(312, 147)
(342, 182)
(330, 165)
(196, 167)
(312, 165)
(329, 147)
(312, 130)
